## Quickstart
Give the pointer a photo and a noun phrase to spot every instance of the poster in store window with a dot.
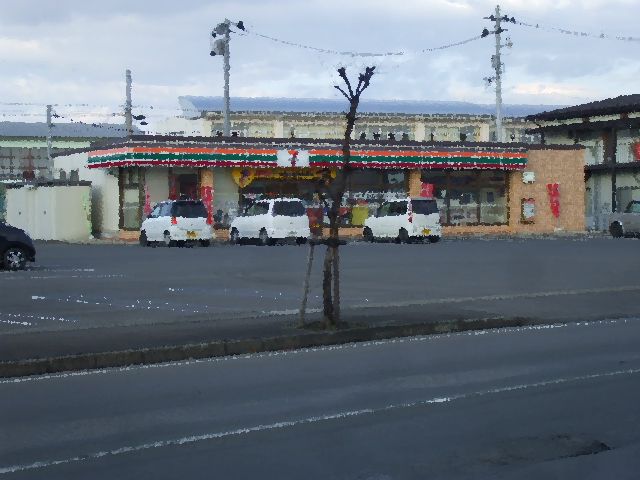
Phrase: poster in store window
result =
(528, 210)
(426, 190)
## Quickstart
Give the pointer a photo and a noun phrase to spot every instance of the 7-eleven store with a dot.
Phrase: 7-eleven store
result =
(479, 187)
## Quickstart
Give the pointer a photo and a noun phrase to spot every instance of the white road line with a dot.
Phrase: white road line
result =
(309, 420)
(344, 346)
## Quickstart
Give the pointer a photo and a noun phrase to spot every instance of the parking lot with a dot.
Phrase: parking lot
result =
(86, 286)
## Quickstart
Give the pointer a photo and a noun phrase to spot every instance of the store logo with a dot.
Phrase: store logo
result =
(293, 158)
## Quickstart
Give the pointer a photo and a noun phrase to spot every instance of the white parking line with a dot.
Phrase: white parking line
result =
(50, 277)
(308, 420)
(36, 317)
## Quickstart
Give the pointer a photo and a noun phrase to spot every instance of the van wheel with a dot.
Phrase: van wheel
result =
(234, 236)
(403, 236)
(301, 240)
(14, 259)
(367, 234)
(433, 238)
(205, 243)
(144, 242)
(167, 240)
(616, 230)
(263, 238)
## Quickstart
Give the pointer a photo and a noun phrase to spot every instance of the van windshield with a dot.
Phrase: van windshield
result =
(259, 208)
(289, 209)
(186, 209)
(424, 207)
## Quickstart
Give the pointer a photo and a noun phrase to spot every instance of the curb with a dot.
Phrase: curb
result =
(145, 356)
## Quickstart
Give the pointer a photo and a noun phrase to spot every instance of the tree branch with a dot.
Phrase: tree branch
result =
(342, 91)
(343, 74)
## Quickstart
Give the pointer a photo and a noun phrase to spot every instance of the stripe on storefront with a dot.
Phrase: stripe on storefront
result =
(206, 157)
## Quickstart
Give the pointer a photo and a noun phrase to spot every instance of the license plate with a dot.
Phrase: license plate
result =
(191, 234)
(426, 231)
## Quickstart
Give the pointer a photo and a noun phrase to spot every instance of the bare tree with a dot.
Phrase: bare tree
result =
(331, 192)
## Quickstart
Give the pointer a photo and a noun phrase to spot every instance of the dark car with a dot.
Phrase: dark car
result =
(16, 248)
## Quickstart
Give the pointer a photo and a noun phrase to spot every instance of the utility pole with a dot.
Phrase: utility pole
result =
(221, 47)
(496, 63)
(226, 121)
(49, 142)
(127, 105)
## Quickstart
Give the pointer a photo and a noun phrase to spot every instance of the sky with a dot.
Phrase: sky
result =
(74, 53)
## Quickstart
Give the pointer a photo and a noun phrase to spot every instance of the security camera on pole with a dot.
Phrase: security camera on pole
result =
(497, 65)
(220, 46)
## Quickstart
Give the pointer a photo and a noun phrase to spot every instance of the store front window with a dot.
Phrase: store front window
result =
(130, 198)
(366, 190)
(468, 197)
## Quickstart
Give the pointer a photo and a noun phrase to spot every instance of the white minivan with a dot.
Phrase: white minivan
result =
(405, 220)
(269, 221)
(177, 222)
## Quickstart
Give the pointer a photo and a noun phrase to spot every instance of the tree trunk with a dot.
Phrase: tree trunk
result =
(327, 301)
(336, 285)
(305, 289)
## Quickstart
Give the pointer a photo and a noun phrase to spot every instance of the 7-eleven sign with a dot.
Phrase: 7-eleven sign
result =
(293, 158)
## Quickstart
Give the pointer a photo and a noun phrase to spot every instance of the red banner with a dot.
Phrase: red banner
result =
(636, 151)
(147, 202)
(553, 189)
(207, 199)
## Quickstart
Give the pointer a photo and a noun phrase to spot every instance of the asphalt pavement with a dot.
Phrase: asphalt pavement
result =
(527, 403)
(88, 298)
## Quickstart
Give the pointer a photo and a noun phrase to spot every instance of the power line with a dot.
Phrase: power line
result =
(576, 33)
(361, 54)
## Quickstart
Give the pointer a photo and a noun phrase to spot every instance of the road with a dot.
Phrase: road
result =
(76, 287)
(532, 402)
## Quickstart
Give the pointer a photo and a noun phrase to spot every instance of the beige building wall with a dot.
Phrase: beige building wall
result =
(477, 128)
(565, 167)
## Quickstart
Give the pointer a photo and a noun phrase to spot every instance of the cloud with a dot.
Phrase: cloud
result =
(76, 51)
(15, 49)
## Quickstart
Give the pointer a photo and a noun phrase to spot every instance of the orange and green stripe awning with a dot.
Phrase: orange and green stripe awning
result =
(429, 156)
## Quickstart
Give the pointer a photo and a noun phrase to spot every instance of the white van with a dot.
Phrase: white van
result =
(268, 221)
(405, 220)
(177, 222)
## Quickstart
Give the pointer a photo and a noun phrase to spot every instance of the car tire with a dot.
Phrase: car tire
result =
(433, 238)
(205, 243)
(144, 242)
(234, 237)
(301, 240)
(263, 238)
(367, 234)
(167, 240)
(403, 236)
(14, 258)
(616, 231)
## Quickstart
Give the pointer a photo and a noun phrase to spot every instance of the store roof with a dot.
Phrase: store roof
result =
(608, 106)
(193, 106)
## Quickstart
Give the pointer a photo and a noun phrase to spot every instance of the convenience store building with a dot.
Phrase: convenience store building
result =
(479, 187)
